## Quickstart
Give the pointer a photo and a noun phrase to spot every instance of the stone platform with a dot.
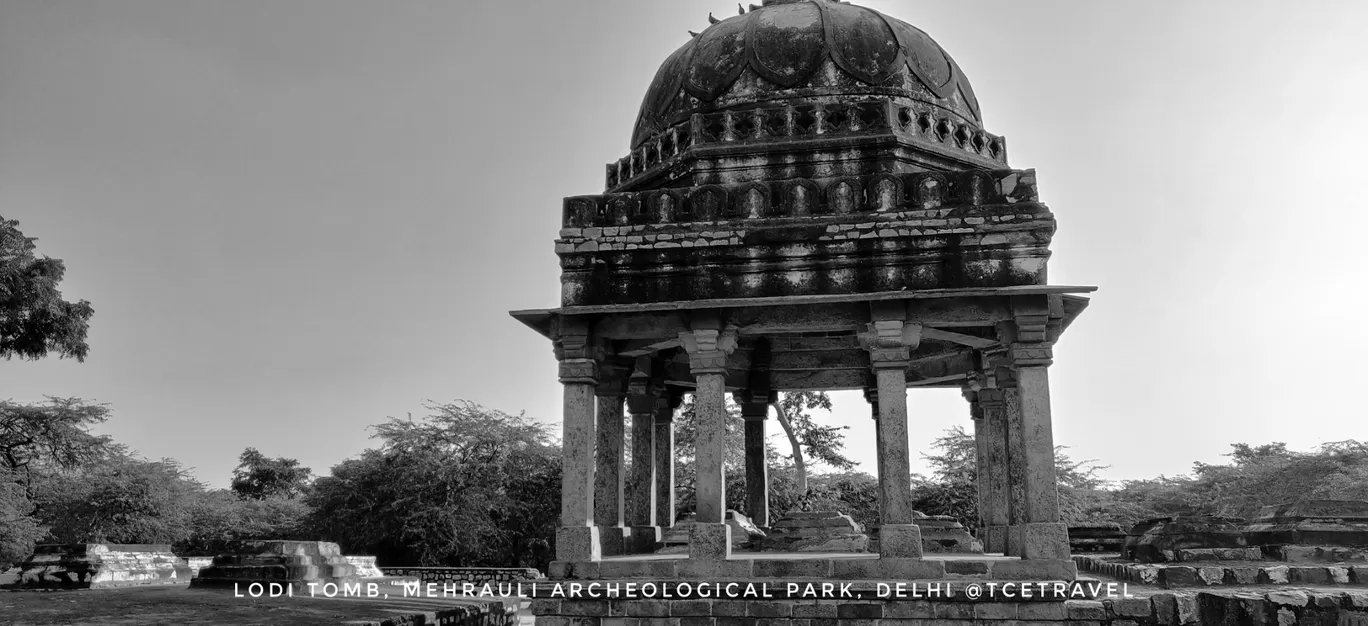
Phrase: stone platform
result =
(291, 563)
(1292, 606)
(1223, 573)
(834, 566)
(137, 606)
(1311, 523)
(101, 565)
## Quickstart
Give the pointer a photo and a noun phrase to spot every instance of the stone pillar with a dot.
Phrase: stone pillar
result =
(993, 470)
(665, 459)
(755, 410)
(640, 506)
(608, 477)
(1043, 536)
(889, 341)
(980, 479)
(708, 349)
(872, 397)
(577, 539)
(1016, 464)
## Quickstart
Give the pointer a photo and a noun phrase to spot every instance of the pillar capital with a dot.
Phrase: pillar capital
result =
(579, 353)
(890, 342)
(1031, 354)
(708, 349)
(612, 378)
(579, 371)
(754, 403)
(665, 406)
(989, 399)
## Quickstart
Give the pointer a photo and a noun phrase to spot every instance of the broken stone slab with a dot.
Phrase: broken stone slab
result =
(1317, 554)
(292, 563)
(365, 566)
(944, 534)
(101, 566)
(1311, 523)
(1156, 540)
(197, 563)
(675, 539)
(815, 531)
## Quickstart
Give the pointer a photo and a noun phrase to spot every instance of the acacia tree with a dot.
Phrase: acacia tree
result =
(951, 489)
(465, 486)
(34, 319)
(122, 499)
(788, 475)
(258, 477)
(822, 443)
(51, 434)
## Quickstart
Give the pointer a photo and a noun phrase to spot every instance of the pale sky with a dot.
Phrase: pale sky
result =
(295, 218)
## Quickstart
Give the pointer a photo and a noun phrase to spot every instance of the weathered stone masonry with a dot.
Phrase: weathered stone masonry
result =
(811, 203)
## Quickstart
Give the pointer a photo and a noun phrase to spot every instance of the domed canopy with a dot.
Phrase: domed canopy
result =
(803, 49)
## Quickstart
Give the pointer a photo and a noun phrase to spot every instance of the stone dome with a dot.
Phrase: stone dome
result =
(810, 50)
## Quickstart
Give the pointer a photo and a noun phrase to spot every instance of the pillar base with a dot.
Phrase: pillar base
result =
(995, 539)
(1046, 541)
(643, 539)
(900, 541)
(613, 540)
(710, 541)
(578, 543)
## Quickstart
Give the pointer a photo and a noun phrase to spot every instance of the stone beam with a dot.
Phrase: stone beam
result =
(642, 347)
(959, 338)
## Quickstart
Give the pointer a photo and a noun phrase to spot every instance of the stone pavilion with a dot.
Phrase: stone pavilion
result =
(811, 201)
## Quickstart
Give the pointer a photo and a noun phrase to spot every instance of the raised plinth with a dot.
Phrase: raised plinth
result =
(1157, 540)
(293, 563)
(1311, 523)
(834, 566)
(101, 565)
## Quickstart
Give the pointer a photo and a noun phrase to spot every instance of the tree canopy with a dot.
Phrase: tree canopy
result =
(34, 319)
(258, 477)
(465, 486)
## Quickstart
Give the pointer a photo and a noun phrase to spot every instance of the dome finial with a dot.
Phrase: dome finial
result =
(712, 20)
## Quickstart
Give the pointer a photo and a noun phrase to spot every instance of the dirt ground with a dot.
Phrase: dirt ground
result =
(180, 605)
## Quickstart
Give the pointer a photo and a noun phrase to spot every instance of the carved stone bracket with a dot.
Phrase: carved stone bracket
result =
(708, 349)
(890, 342)
(871, 395)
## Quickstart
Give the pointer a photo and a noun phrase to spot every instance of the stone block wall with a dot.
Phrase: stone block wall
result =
(1198, 575)
(295, 563)
(1165, 609)
(477, 575)
(102, 565)
(462, 614)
